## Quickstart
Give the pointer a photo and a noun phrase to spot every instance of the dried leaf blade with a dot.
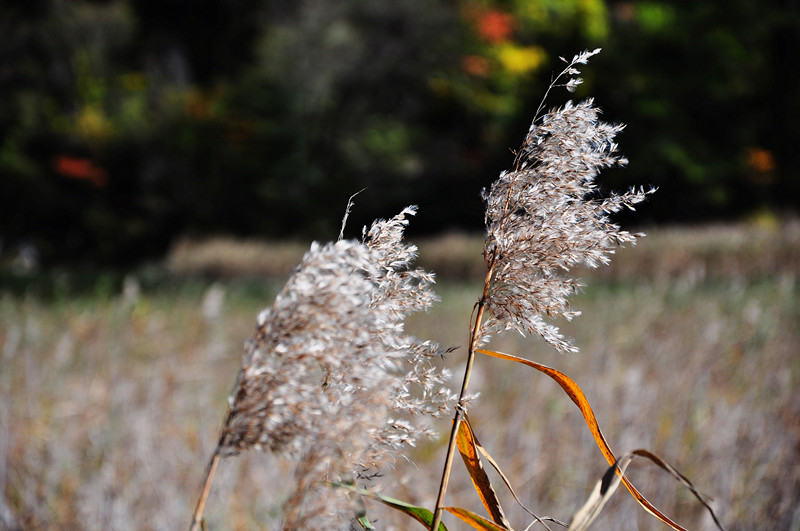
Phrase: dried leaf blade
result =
(507, 482)
(608, 484)
(467, 447)
(477, 522)
(577, 396)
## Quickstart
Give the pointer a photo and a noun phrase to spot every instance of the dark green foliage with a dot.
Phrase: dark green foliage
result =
(708, 91)
(126, 123)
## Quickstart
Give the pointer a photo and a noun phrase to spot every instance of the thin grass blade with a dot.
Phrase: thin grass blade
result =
(608, 484)
(683, 480)
(601, 493)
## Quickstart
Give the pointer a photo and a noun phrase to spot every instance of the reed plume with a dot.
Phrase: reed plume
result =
(331, 378)
(543, 218)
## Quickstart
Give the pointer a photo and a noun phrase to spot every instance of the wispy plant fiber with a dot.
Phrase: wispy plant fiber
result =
(330, 376)
(545, 217)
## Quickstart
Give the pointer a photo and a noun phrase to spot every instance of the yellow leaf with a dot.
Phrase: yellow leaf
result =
(520, 59)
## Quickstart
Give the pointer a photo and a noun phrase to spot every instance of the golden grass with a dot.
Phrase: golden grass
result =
(222, 256)
(111, 403)
(741, 250)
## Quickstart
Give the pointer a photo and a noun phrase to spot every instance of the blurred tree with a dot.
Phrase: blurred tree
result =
(412, 100)
(95, 89)
(127, 123)
(708, 90)
(197, 41)
(351, 81)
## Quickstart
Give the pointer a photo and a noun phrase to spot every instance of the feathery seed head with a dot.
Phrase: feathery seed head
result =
(543, 218)
(330, 376)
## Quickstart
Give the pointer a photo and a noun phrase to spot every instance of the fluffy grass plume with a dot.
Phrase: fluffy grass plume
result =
(331, 378)
(544, 217)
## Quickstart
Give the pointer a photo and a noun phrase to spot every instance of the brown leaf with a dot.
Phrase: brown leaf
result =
(507, 482)
(467, 447)
(574, 392)
(610, 481)
(475, 521)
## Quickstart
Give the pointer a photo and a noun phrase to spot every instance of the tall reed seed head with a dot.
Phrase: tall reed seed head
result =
(330, 376)
(545, 217)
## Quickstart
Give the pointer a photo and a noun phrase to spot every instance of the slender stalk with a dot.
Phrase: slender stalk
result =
(459, 414)
(211, 469)
(201, 503)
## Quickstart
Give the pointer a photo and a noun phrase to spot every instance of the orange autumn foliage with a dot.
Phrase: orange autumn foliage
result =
(80, 168)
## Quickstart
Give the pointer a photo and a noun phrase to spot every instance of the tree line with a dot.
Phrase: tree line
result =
(128, 123)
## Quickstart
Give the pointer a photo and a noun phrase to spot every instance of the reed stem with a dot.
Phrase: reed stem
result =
(197, 518)
(459, 414)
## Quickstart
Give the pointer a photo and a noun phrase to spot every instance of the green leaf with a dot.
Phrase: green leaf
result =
(365, 523)
(423, 516)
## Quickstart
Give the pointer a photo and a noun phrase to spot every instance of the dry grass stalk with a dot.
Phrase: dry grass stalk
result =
(542, 219)
(331, 378)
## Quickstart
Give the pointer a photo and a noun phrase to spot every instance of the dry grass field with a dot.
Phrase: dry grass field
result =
(111, 396)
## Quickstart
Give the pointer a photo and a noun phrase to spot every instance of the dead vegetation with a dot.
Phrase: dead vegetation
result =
(718, 251)
(110, 402)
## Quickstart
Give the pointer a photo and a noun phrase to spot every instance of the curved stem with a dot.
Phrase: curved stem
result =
(460, 409)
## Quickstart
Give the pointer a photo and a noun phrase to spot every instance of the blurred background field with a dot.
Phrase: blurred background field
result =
(164, 165)
(113, 392)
